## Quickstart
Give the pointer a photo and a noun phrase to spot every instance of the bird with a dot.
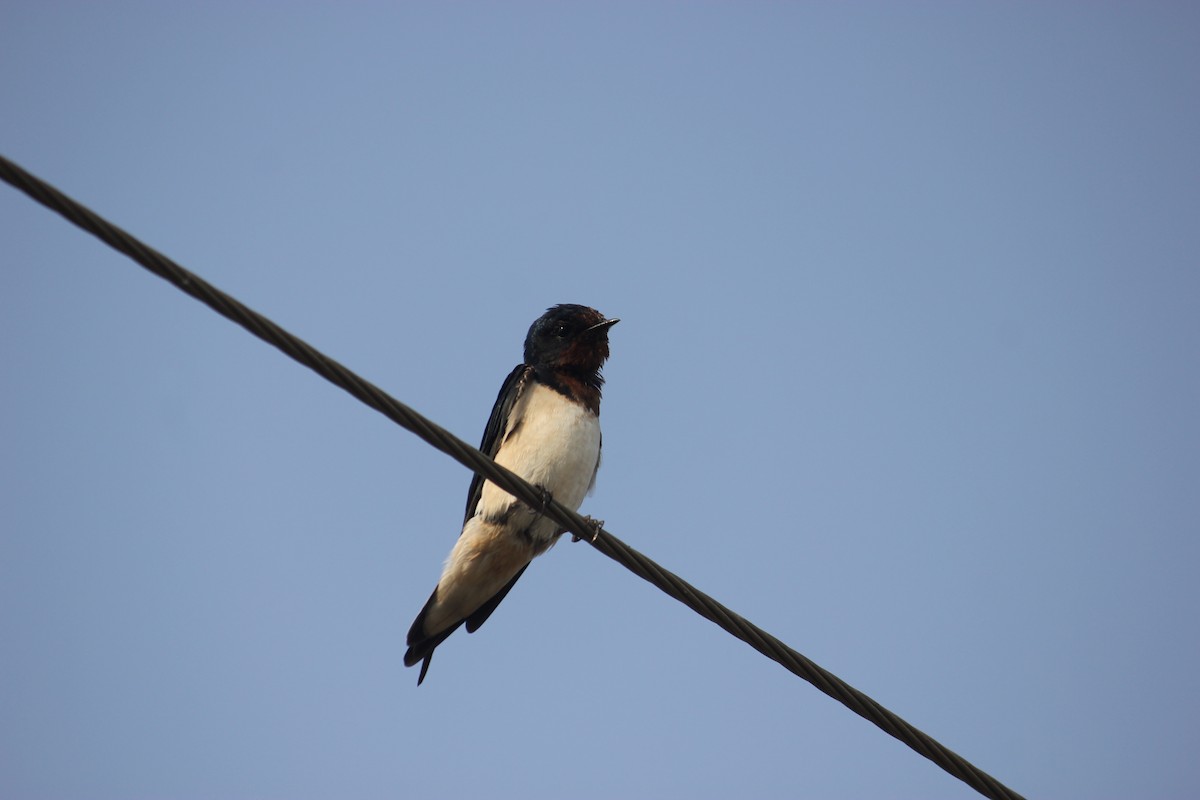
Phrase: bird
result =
(545, 427)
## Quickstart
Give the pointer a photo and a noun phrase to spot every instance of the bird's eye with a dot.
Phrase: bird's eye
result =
(560, 330)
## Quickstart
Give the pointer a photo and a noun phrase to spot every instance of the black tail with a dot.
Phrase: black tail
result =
(421, 645)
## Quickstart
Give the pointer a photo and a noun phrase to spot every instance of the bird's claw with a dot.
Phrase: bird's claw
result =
(595, 524)
(547, 499)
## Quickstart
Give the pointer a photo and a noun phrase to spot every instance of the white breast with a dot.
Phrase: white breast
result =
(550, 441)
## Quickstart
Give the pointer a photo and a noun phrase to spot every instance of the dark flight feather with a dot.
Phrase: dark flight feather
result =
(420, 646)
(494, 432)
(484, 611)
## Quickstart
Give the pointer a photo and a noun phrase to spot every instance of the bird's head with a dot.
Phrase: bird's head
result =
(569, 336)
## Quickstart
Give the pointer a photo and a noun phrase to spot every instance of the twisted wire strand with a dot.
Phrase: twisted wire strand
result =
(473, 459)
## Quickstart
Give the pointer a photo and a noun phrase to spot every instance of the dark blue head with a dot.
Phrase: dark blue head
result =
(569, 336)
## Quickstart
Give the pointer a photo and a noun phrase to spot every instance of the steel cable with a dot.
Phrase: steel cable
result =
(476, 461)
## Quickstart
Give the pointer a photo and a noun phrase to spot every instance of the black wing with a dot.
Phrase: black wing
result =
(484, 611)
(420, 646)
(492, 435)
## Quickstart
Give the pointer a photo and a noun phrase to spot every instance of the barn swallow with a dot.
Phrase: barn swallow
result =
(545, 427)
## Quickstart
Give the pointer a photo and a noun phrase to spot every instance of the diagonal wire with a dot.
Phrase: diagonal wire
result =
(471, 458)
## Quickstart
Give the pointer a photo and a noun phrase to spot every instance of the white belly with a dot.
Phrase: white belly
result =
(550, 441)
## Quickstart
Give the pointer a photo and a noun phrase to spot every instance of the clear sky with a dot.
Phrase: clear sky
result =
(907, 374)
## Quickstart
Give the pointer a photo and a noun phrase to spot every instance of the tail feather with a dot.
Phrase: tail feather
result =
(421, 644)
(423, 651)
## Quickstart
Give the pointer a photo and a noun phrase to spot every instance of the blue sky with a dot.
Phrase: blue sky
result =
(907, 374)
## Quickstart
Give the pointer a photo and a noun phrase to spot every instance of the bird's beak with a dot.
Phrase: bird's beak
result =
(608, 323)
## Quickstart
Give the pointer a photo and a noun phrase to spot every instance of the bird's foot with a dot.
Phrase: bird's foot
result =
(547, 499)
(594, 524)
